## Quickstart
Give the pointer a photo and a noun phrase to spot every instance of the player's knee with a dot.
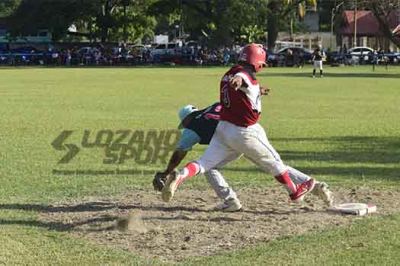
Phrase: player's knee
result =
(202, 167)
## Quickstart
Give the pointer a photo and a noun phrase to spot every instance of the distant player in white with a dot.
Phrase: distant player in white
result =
(318, 57)
(238, 132)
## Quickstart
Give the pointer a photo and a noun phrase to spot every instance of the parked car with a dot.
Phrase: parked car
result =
(360, 51)
(360, 54)
(27, 55)
(335, 58)
(87, 50)
(164, 49)
(393, 58)
(3, 48)
(279, 58)
(26, 50)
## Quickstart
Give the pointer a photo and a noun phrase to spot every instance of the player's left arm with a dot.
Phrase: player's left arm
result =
(236, 82)
(264, 90)
(188, 140)
(161, 177)
(175, 160)
(244, 86)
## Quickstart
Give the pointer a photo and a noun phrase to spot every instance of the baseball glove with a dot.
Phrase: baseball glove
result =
(159, 181)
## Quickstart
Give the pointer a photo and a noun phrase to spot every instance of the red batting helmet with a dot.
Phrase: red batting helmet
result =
(254, 55)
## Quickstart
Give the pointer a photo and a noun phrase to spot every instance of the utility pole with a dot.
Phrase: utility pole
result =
(355, 23)
(333, 15)
(291, 26)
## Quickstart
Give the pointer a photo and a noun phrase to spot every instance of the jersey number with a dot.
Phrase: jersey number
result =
(225, 96)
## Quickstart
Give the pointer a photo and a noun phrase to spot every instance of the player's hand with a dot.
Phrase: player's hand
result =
(264, 90)
(159, 181)
(236, 82)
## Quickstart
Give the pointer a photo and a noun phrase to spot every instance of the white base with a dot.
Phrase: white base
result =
(359, 209)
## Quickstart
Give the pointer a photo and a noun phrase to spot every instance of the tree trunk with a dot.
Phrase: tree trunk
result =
(104, 18)
(273, 26)
(124, 26)
(384, 24)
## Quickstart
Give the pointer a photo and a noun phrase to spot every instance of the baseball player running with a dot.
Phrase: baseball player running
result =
(238, 132)
(198, 127)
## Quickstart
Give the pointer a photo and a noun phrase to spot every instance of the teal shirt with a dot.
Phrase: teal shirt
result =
(188, 140)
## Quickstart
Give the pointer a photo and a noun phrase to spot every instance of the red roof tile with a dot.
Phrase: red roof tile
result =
(367, 23)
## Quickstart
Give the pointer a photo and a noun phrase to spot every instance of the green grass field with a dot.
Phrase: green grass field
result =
(342, 129)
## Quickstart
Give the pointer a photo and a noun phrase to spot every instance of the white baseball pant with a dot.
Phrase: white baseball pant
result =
(225, 192)
(220, 186)
(318, 64)
(230, 142)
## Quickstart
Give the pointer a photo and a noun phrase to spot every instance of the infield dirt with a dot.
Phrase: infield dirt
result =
(186, 227)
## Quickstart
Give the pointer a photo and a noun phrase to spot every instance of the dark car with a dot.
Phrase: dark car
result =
(27, 55)
(335, 58)
(26, 50)
(285, 58)
(393, 58)
(3, 48)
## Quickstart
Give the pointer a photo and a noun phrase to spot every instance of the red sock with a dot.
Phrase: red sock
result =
(190, 170)
(284, 179)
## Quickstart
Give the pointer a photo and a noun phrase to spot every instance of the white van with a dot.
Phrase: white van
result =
(163, 49)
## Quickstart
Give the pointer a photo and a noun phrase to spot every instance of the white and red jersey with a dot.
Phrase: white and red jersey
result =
(241, 107)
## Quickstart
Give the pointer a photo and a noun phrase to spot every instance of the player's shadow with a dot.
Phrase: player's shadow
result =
(201, 219)
(333, 75)
(54, 226)
(94, 207)
(284, 213)
(161, 208)
(85, 207)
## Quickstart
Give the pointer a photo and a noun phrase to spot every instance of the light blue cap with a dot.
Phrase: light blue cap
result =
(184, 112)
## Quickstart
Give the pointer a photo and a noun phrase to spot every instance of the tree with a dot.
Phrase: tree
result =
(56, 16)
(280, 10)
(7, 7)
(121, 19)
(219, 22)
(383, 10)
(109, 20)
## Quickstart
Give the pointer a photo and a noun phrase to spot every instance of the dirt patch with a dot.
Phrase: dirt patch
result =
(187, 228)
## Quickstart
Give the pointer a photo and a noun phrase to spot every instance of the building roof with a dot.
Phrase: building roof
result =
(367, 23)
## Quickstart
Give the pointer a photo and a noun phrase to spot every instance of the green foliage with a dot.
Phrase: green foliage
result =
(129, 21)
(55, 16)
(216, 22)
(7, 7)
(109, 20)
(219, 22)
(281, 13)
